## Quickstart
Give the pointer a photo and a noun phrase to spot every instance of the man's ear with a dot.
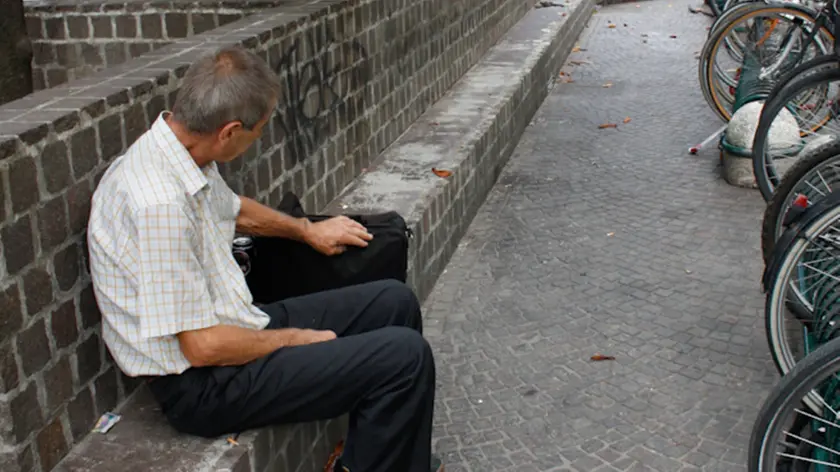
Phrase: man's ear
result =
(229, 130)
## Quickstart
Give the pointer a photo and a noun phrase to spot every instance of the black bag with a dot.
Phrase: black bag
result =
(282, 268)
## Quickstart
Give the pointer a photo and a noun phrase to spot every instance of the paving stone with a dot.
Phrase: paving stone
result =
(611, 241)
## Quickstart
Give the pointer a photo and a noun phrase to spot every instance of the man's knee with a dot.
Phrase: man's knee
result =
(409, 347)
(401, 298)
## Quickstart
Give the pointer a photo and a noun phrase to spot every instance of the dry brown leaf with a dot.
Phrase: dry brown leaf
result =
(601, 357)
(339, 449)
(611, 25)
(627, 120)
(607, 125)
(441, 172)
(576, 49)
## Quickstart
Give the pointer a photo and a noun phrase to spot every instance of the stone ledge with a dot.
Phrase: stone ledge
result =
(142, 442)
(470, 132)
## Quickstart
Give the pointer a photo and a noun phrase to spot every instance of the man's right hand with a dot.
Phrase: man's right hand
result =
(311, 336)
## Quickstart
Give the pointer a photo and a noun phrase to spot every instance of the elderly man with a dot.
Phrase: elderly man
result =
(176, 308)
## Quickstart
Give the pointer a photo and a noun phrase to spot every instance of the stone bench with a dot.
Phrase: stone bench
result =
(470, 132)
(142, 441)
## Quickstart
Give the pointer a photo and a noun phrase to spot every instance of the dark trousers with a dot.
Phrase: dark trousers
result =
(380, 370)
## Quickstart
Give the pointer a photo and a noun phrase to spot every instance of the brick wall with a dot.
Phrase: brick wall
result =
(356, 73)
(73, 39)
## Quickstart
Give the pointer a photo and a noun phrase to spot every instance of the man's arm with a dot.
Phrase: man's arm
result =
(223, 345)
(174, 300)
(257, 219)
(329, 237)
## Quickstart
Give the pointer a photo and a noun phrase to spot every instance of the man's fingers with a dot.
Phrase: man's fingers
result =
(351, 223)
(350, 239)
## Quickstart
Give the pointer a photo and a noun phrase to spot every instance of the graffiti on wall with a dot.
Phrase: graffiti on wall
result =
(322, 80)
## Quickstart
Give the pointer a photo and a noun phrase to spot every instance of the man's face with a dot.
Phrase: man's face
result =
(233, 140)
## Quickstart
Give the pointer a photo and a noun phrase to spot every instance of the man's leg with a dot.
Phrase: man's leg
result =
(384, 378)
(350, 310)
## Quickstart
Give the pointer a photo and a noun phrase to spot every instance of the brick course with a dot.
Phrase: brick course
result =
(356, 73)
(73, 39)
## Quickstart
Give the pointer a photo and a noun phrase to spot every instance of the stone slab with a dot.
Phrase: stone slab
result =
(142, 441)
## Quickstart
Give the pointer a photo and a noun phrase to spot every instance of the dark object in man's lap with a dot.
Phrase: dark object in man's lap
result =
(283, 268)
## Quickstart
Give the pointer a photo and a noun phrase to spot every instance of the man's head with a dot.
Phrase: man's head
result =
(225, 100)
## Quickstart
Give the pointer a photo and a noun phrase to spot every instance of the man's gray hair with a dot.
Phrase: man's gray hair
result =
(231, 84)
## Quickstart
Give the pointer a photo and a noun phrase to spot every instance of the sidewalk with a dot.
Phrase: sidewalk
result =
(610, 241)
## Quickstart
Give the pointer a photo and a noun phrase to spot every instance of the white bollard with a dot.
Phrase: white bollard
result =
(738, 167)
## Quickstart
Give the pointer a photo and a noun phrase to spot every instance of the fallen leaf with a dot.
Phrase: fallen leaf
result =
(576, 49)
(607, 125)
(441, 172)
(562, 73)
(607, 85)
(339, 449)
(601, 357)
(611, 25)
(627, 120)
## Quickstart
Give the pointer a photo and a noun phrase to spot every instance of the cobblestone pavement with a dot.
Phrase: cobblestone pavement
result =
(611, 241)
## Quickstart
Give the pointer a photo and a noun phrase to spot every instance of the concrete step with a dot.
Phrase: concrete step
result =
(471, 132)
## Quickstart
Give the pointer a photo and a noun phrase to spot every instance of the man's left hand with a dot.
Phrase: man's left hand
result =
(332, 236)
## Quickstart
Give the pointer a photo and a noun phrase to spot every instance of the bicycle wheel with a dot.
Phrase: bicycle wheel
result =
(802, 281)
(807, 182)
(788, 25)
(789, 438)
(810, 102)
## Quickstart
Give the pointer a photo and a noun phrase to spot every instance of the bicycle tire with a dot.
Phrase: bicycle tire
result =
(790, 251)
(806, 68)
(706, 65)
(771, 223)
(721, 22)
(785, 397)
(766, 182)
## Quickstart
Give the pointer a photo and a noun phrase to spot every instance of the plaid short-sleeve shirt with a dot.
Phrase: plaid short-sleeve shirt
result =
(159, 237)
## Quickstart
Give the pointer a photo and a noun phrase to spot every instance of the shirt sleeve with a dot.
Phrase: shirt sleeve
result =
(173, 295)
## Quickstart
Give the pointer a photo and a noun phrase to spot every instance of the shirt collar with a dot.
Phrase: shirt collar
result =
(177, 155)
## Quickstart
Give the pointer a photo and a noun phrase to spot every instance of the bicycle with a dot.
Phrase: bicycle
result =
(792, 34)
(787, 437)
(810, 180)
(802, 284)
